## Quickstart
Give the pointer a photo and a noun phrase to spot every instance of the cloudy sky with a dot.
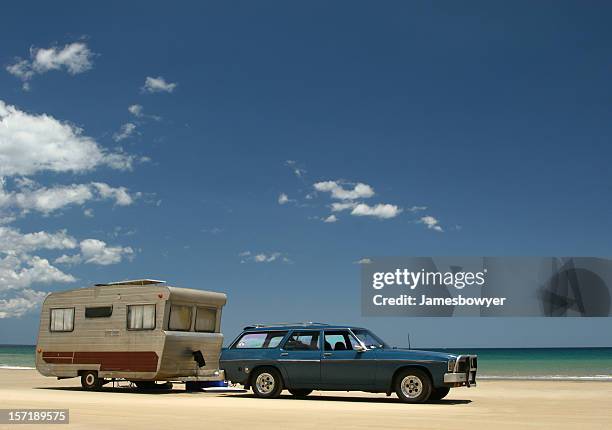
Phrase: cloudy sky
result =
(265, 149)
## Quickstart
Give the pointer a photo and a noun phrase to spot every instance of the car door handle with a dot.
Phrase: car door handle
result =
(327, 354)
(284, 354)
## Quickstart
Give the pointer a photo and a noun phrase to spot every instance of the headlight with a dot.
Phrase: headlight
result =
(451, 365)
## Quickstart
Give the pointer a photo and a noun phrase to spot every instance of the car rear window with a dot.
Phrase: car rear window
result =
(260, 339)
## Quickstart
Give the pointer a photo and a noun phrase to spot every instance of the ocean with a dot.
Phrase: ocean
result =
(593, 364)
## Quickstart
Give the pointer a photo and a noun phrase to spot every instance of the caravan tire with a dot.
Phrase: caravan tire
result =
(90, 380)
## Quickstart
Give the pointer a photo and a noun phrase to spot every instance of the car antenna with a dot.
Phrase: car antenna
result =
(409, 347)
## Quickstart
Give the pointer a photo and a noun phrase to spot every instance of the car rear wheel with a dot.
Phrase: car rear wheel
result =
(439, 393)
(413, 386)
(266, 383)
(300, 392)
(90, 380)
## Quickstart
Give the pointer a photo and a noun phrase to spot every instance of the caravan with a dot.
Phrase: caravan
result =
(140, 330)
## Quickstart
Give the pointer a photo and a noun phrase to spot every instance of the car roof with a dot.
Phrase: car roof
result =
(297, 326)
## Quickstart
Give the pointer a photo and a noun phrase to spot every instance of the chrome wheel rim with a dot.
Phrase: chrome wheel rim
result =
(412, 386)
(265, 383)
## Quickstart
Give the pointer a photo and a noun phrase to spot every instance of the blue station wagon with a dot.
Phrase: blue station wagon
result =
(314, 356)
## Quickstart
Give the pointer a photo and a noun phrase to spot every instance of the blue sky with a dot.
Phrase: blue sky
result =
(495, 117)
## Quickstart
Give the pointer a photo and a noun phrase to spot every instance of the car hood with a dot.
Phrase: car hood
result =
(413, 354)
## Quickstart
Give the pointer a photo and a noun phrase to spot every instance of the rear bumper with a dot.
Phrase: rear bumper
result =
(464, 373)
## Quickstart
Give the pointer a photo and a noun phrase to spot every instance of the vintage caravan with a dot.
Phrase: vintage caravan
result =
(140, 330)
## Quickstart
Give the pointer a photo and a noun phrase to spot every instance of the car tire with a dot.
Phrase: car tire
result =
(90, 380)
(413, 386)
(439, 393)
(266, 383)
(300, 392)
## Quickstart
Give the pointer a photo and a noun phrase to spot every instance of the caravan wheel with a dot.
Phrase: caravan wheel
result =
(90, 380)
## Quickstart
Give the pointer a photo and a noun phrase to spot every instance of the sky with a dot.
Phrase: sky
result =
(262, 149)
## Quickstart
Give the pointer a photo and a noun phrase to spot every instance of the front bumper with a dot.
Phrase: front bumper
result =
(464, 372)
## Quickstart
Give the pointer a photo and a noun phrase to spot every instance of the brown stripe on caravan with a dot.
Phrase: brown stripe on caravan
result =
(58, 354)
(135, 361)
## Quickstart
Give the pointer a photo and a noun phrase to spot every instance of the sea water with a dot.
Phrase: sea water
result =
(493, 363)
(543, 363)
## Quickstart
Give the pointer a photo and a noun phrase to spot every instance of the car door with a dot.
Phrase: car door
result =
(300, 357)
(342, 367)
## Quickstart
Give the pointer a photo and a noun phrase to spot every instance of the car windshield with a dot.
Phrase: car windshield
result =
(369, 339)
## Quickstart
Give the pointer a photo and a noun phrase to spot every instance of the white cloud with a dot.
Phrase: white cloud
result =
(22, 70)
(136, 110)
(75, 58)
(19, 269)
(21, 272)
(359, 191)
(337, 207)
(283, 198)
(159, 84)
(330, 219)
(30, 196)
(13, 242)
(417, 208)
(124, 132)
(364, 261)
(94, 251)
(26, 301)
(431, 223)
(262, 257)
(31, 143)
(89, 213)
(120, 194)
(297, 171)
(379, 211)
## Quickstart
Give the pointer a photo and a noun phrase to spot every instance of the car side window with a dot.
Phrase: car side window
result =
(257, 340)
(337, 340)
(303, 341)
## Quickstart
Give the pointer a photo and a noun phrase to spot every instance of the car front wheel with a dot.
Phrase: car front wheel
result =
(266, 383)
(413, 386)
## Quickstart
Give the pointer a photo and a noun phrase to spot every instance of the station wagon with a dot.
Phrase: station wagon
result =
(313, 356)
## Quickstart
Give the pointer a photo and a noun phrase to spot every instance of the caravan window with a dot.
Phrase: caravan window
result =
(180, 318)
(62, 319)
(99, 312)
(206, 319)
(141, 317)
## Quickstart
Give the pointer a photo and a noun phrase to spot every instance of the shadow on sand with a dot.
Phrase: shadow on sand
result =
(332, 398)
(131, 390)
(245, 394)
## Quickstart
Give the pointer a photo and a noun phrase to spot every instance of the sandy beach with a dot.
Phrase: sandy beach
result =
(493, 404)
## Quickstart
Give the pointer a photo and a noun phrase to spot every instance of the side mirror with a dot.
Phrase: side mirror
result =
(360, 348)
